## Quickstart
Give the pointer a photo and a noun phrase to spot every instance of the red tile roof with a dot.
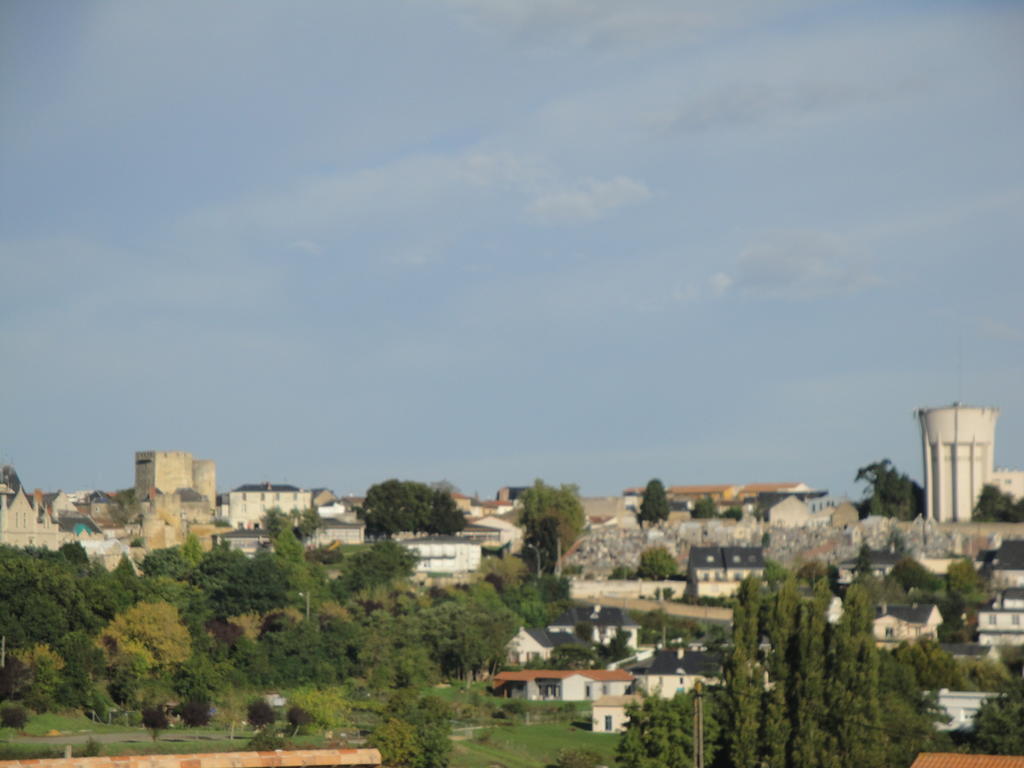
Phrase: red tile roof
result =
(951, 760)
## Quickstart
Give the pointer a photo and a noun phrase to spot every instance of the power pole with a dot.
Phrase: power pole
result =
(698, 725)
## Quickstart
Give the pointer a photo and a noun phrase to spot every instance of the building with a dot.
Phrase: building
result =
(444, 554)
(608, 714)
(958, 448)
(341, 531)
(562, 684)
(961, 707)
(1005, 566)
(792, 512)
(880, 563)
(170, 471)
(247, 540)
(895, 624)
(538, 644)
(718, 571)
(605, 622)
(25, 521)
(1002, 621)
(676, 670)
(249, 504)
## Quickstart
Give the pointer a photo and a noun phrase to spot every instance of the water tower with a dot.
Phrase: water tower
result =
(959, 456)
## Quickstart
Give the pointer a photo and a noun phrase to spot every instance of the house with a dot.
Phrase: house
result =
(718, 571)
(248, 504)
(880, 563)
(25, 521)
(247, 540)
(562, 684)
(78, 527)
(1006, 565)
(537, 644)
(1002, 621)
(792, 512)
(608, 714)
(895, 624)
(961, 707)
(970, 651)
(843, 514)
(676, 670)
(341, 531)
(444, 554)
(606, 623)
(509, 534)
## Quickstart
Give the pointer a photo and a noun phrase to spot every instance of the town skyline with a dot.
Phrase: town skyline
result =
(490, 243)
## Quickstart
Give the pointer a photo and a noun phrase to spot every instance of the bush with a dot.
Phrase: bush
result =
(155, 720)
(92, 748)
(266, 740)
(196, 713)
(577, 758)
(298, 717)
(259, 713)
(13, 716)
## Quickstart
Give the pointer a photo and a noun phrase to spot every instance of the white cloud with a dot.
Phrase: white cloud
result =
(589, 200)
(797, 265)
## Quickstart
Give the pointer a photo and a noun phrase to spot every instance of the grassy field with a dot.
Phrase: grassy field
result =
(533, 746)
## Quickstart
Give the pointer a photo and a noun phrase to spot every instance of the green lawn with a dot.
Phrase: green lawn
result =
(529, 746)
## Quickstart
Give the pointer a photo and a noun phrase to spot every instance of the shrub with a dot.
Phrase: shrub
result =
(267, 740)
(577, 758)
(298, 717)
(13, 716)
(196, 713)
(92, 748)
(260, 713)
(155, 720)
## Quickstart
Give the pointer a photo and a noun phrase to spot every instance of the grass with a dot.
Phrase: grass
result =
(529, 746)
(41, 725)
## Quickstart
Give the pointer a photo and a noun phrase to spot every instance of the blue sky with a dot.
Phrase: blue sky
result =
(582, 240)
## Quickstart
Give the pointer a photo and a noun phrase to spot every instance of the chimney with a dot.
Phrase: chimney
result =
(38, 494)
(680, 652)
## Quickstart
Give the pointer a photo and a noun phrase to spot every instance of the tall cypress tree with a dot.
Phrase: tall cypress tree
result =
(744, 677)
(808, 736)
(856, 735)
(776, 718)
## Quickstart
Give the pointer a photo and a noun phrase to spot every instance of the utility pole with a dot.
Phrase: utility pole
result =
(3, 651)
(698, 725)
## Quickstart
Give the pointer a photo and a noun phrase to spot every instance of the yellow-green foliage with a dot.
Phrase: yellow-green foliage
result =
(327, 706)
(40, 656)
(150, 632)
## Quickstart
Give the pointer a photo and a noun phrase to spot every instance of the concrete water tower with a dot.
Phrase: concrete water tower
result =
(959, 458)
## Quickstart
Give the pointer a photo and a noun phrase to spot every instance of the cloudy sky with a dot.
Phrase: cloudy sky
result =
(493, 240)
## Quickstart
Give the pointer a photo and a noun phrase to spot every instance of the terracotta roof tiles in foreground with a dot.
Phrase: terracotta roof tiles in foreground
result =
(310, 758)
(952, 760)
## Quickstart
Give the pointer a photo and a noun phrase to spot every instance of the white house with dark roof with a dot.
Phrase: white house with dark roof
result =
(537, 644)
(895, 624)
(248, 504)
(606, 623)
(880, 562)
(718, 571)
(1001, 622)
(444, 554)
(1005, 566)
(676, 670)
(247, 540)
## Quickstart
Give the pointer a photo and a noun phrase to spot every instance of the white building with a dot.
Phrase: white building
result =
(1002, 622)
(961, 706)
(444, 554)
(958, 444)
(609, 713)
(248, 504)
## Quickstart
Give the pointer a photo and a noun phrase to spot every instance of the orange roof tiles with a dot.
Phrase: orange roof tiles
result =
(762, 487)
(685, 489)
(952, 760)
(282, 758)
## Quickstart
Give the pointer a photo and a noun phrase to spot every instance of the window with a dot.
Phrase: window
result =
(588, 694)
(607, 722)
(991, 618)
(604, 689)
(889, 633)
(1015, 620)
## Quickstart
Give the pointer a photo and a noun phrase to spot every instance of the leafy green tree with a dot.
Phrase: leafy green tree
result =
(445, 517)
(275, 521)
(744, 678)
(656, 563)
(45, 666)
(260, 714)
(997, 726)
(74, 553)
(659, 734)
(383, 563)
(195, 713)
(572, 656)
(889, 492)
(167, 562)
(309, 523)
(13, 716)
(396, 740)
(995, 506)
(705, 508)
(910, 574)
(155, 720)
(962, 578)
(552, 519)
(654, 505)
(776, 720)
(808, 681)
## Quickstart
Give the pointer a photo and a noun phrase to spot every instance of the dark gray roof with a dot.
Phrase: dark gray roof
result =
(68, 523)
(970, 650)
(553, 639)
(667, 662)
(600, 616)
(878, 558)
(706, 557)
(917, 613)
(333, 522)
(1010, 556)
(1013, 593)
(718, 558)
(189, 494)
(10, 478)
(263, 487)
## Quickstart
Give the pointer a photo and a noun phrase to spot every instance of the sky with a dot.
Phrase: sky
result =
(490, 241)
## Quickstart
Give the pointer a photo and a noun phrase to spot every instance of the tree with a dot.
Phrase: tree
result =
(910, 574)
(155, 720)
(309, 523)
(151, 632)
(659, 734)
(275, 521)
(13, 716)
(45, 665)
(195, 714)
(962, 578)
(809, 723)
(382, 563)
(997, 726)
(297, 718)
(705, 508)
(445, 517)
(744, 677)
(260, 714)
(396, 741)
(889, 493)
(995, 506)
(776, 720)
(654, 506)
(552, 519)
(656, 563)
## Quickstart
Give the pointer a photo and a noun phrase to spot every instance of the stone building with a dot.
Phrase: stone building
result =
(171, 471)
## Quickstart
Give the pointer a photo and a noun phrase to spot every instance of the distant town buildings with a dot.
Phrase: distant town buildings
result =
(249, 504)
